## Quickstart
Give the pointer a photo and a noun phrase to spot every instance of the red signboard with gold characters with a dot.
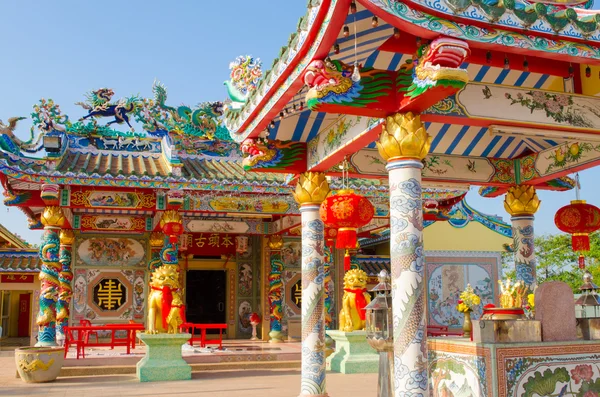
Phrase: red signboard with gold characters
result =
(210, 244)
(16, 278)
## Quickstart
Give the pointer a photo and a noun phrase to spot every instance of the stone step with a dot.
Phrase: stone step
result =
(196, 367)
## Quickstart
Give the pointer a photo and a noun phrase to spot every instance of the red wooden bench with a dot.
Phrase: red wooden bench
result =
(191, 328)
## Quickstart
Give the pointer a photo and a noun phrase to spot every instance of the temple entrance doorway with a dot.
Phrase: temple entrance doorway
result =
(206, 293)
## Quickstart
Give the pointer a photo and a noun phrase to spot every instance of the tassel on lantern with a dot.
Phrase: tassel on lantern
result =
(347, 263)
(581, 261)
(346, 238)
(580, 242)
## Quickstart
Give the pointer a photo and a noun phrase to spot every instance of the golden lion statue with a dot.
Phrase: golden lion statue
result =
(352, 315)
(165, 306)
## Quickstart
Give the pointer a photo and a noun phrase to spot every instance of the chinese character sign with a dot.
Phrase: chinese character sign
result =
(110, 294)
(211, 244)
(17, 278)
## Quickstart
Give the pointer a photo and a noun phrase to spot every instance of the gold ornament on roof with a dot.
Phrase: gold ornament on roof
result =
(403, 136)
(521, 200)
(312, 188)
(66, 237)
(170, 216)
(157, 239)
(275, 242)
(512, 295)
(53, 217)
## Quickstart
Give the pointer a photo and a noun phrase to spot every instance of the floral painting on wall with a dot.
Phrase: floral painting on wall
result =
(543, 375)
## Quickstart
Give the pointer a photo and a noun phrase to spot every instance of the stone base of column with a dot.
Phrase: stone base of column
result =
(163, 360)
(313, 395)
(353, 354)
(276, 337)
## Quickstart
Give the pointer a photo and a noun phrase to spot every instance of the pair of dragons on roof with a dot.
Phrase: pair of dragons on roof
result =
(157, 118)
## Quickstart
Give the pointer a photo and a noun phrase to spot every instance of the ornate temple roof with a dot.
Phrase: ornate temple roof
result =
(20, 261)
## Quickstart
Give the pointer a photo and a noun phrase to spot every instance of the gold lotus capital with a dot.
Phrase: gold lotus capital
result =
(170, 216)
(312, 188)
(521, 200)
(53, 217)
(275, 242)
(404, 136)
(67, 237)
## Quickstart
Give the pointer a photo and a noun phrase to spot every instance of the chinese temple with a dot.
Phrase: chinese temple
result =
(407, 103)
(110, 190)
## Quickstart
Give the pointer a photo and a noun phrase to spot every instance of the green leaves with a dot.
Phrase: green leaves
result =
(544, 384)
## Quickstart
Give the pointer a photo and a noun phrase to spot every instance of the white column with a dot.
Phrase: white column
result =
(407, 273)
(522, 228)
(313, 294)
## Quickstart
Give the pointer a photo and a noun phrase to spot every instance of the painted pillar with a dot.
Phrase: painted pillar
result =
(311, 190)
(522, 202)
(156, 244)
(171, 224)
(53, 219)
(275, 288)
(329, 287)
(65, 279)
(404, 143)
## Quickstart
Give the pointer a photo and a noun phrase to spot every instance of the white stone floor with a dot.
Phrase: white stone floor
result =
(235, 383)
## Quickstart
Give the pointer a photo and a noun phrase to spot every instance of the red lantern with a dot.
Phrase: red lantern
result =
(330, 235)
(173, 230)
(346, 212)
(579, 219)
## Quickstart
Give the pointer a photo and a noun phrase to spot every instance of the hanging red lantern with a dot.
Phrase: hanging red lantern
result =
(330, 235)
(171, 225)
(346, 212)
(579, 219)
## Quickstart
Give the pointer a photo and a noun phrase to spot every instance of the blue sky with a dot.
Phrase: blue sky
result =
(62, 49)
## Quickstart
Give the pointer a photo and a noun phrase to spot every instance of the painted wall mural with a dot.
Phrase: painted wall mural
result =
(457, 168)
(104, 251)
(111, 199)
(291, 254)
(548, 371)
(100, 294)
(530, 106)
(565, 156)
(336, 136)
(113, 223)
(245, 279)
(447, 280)
(244, 312)
(264, 204)
(463, 371)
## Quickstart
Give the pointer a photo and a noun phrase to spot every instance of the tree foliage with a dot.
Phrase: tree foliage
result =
(557, 261)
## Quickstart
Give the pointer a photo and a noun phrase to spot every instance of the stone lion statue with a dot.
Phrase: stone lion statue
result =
(352, 315)
(165, 306)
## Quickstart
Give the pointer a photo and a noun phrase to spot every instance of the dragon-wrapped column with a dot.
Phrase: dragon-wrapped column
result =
(157, 240)
(53, 220)
(65, 279)
(311, 190)
(522, 202)
(404, 143)
(275, 288)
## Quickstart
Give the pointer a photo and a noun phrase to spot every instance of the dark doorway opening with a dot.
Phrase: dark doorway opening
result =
(205, 297)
